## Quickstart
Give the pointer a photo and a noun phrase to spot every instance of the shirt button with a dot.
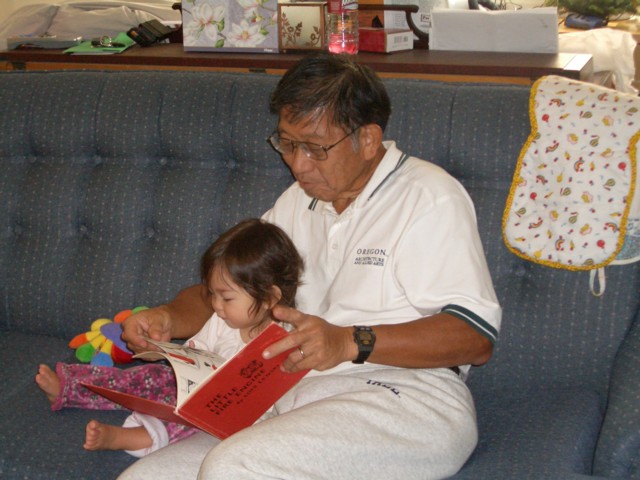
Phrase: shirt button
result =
(334, 246)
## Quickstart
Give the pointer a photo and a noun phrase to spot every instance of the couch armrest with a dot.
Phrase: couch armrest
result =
(618, 449)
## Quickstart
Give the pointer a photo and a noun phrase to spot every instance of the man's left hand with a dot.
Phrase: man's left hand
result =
(316, 343)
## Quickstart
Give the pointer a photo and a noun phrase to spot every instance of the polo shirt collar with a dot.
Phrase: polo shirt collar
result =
(391, 162)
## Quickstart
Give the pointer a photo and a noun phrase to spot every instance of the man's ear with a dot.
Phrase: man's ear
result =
(275, 297)
(370, 139)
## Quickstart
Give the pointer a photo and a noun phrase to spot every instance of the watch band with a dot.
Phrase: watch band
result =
(365, 339)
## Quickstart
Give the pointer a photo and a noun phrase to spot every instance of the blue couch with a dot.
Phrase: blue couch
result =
(112, 184)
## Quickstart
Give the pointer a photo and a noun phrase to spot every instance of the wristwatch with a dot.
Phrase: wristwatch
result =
(365, 338)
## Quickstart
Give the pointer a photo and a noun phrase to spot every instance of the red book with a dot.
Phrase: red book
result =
(217, 396)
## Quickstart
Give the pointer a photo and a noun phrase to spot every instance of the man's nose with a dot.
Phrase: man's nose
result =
(299, 162)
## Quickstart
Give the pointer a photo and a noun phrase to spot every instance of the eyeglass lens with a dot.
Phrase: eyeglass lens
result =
(311, 150)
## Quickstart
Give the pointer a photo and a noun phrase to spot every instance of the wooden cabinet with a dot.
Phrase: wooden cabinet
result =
(521, 68)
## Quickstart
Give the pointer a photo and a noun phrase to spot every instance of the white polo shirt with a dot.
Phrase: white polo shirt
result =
(406, 248)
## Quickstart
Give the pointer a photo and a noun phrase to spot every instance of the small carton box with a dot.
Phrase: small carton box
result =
(385, 40)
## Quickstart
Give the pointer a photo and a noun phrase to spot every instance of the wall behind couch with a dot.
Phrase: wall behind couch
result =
(8, 6)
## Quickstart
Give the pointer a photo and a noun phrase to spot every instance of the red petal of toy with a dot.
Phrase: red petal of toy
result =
(120, 356)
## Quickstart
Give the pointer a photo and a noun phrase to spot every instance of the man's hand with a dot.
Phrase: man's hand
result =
(154, 323)
(183, 317)
(317, 344)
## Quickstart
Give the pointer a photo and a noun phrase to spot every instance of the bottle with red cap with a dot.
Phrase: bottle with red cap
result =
(342, 26)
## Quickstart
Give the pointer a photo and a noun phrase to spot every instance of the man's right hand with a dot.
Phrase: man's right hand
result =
(154, 323)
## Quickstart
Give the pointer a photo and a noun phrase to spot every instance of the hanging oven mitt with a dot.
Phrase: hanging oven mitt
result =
(571, 203)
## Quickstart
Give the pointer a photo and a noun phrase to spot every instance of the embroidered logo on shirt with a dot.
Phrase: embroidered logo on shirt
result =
(370, 256)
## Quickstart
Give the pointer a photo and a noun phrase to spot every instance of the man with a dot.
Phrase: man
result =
(395, 306)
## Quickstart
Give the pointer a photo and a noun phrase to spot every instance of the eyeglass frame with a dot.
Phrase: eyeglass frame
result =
(305, 150)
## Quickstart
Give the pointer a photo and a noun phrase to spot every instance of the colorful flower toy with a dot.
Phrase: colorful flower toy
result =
(102, 344)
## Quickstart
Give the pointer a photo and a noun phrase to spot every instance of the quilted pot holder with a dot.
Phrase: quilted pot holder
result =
(571, 203)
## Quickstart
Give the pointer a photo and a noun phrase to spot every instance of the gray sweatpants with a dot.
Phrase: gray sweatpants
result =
(365, 424)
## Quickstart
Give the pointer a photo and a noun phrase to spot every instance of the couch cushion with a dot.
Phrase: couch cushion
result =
(619, 443)
(60, 456)
(27, 414)
(552, 428)
(24, 352)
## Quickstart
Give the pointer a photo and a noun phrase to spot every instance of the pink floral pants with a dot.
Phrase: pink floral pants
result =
(153, 381)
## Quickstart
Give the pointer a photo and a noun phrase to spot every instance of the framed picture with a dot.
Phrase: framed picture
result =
(301, 25)
(230, 25)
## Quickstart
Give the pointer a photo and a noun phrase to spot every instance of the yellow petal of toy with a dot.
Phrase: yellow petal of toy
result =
(98, 341)
(107, 346)
(99, 323)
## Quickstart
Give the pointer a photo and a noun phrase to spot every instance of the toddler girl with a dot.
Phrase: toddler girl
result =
(246, 271)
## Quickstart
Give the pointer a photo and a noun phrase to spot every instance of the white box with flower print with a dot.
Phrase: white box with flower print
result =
(230, 25)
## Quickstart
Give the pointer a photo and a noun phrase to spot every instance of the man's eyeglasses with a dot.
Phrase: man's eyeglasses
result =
(313, 151)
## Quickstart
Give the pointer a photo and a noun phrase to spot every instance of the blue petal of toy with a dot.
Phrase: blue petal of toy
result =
(113, 331)
(102, 359)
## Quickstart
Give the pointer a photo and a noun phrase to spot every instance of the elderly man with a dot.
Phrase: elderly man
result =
(396, 304)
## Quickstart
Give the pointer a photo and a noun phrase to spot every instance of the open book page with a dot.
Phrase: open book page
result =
(190, 365)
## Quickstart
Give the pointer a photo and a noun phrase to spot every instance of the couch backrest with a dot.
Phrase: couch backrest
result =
(553, 327)
(114, 183)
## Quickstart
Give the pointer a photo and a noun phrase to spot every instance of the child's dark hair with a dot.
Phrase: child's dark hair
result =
(256, 255)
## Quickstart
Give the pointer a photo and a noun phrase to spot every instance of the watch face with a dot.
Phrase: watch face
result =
(365, 338)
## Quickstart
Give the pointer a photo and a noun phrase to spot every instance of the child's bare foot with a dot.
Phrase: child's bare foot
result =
(48, 382)
(100, 436)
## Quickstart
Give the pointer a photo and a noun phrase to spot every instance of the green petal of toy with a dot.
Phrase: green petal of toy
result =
(85, 352)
